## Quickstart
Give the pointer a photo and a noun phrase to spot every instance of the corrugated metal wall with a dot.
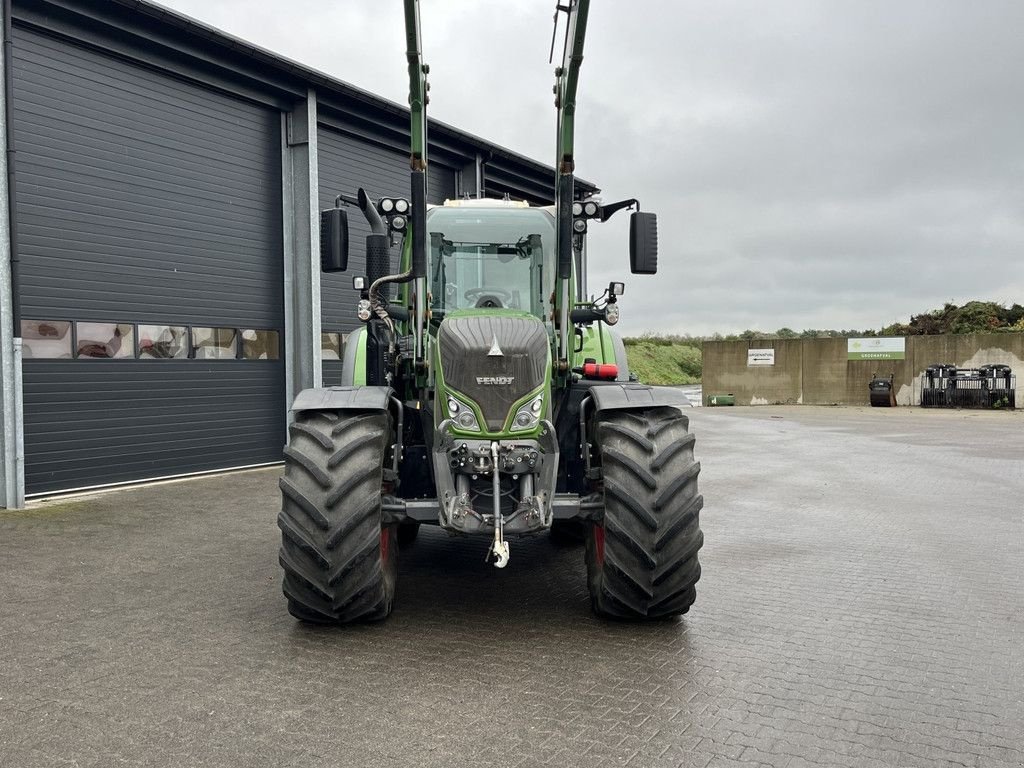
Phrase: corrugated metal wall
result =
(501, 179)
(149, 193)
(347, 163)
(144, 198)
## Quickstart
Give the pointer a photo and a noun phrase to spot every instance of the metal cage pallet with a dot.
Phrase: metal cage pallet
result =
(990, 386)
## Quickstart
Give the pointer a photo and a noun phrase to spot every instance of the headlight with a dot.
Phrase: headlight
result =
(363, 310)
(387, 205)
(611, 314)
(528, 415)
(401, 205)
(462, 415)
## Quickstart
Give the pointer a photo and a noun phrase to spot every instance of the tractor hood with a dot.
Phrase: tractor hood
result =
(494, 359)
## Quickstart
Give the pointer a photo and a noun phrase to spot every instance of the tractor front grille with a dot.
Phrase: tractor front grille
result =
(493, 381)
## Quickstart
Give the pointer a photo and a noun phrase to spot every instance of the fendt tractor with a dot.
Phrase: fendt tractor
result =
(484, 394)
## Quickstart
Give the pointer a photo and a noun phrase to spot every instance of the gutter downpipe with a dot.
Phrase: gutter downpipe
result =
(11, 184)
(10, 302)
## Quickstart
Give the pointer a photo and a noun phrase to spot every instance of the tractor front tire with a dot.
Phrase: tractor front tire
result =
(642, 556)
(340, 564)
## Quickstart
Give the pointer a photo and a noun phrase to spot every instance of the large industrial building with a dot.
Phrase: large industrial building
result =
(160, 261)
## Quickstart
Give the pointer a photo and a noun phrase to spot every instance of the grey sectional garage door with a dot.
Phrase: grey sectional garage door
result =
(346, 163)
(149, 210)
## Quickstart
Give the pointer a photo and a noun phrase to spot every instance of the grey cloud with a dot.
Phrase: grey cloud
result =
(813, 164)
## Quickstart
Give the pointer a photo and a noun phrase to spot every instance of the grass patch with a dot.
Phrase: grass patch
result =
(664, 361)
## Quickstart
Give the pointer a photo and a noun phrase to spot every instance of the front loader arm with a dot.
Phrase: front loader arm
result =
(566, 82)
(418, 100)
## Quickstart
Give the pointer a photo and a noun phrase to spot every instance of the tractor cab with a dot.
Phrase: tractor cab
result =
(491, 255)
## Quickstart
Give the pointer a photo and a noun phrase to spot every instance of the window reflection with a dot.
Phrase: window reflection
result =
(259, 345)
(105, 340)
(46, 339)
(163, 342)
(66, 339)
(215, 343)
(330, 344)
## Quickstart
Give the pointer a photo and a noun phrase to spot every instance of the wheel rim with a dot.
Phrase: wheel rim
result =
(385, 544)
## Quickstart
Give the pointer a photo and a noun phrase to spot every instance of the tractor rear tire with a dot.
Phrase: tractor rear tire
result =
(642, 556)
(340, 563)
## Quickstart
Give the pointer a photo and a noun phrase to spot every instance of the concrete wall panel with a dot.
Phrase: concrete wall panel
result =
(860, 372)
(824, 371)
(754, 385)
(816, 371)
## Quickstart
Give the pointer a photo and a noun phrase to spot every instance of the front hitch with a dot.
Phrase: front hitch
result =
(468, 470)
(500, 547)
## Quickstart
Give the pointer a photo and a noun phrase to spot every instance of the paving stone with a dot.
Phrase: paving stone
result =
(862, 604)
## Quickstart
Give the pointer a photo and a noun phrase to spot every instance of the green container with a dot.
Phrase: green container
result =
(721, 400)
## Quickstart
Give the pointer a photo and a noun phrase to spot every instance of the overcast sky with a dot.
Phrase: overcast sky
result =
(813, 164)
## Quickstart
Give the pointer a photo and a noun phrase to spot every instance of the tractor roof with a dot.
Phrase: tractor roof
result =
(485, 202)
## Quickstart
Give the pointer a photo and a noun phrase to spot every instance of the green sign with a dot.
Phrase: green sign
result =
(877, 348)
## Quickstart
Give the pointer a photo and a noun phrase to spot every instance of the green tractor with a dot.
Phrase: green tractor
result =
(485, 395)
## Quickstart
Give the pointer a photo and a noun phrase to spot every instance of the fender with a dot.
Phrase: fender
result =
(353, 365)
(343, 399)
(586, 398)
(619, 396)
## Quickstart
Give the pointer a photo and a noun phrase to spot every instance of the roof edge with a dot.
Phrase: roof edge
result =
(240, 47)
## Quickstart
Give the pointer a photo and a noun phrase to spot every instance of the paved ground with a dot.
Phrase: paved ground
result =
(861, 606)
(694, 393)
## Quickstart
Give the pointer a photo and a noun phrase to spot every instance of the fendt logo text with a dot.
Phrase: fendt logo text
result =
(495, 379)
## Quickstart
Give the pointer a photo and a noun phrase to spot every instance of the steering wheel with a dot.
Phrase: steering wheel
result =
(479, 294)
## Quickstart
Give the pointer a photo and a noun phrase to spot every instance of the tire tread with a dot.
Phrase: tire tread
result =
(330, 519)
(651, 523)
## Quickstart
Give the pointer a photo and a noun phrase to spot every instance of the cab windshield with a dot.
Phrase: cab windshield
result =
(491, 258)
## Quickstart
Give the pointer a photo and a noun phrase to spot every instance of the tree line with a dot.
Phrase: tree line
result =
(972, 317)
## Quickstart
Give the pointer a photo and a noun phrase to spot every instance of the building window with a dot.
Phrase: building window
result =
(163, 342)
(330, 344)
(66, 339)
(214, 343)
(46, 339)
(259, 345)
(105, 340)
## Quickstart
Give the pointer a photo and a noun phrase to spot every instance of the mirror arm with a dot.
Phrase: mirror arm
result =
(607, 211)
(362, 201)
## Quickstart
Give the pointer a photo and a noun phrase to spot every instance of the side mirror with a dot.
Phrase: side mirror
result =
(643, 243)
(334, 240)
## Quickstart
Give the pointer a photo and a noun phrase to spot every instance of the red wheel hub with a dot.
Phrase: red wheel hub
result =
(599, 544)
(385, 544)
